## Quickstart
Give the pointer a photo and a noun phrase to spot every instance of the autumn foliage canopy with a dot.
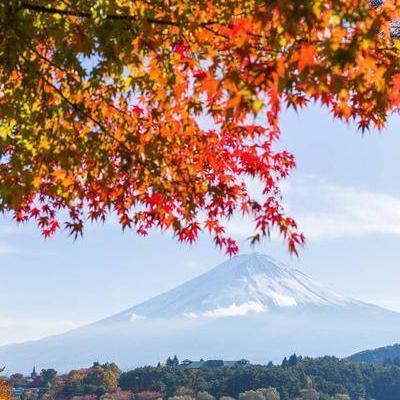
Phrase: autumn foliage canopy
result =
(161, 111)
(4, 391)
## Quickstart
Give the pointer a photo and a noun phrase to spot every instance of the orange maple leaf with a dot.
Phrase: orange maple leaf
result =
(306, 57)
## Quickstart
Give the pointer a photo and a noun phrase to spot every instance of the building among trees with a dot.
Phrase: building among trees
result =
(189, 364)
(309, 393)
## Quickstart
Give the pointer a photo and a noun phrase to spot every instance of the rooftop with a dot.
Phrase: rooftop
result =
(212, 364)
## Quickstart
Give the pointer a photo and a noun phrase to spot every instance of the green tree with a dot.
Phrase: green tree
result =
(184, 391)
(17, 380)
(103, 375)
(48, 376)
(175, 361)
(260, 394)
(203, 395)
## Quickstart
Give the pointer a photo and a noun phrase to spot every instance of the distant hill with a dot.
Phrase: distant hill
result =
(378, 355)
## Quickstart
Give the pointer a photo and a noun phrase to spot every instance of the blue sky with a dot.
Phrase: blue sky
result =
(345, 195)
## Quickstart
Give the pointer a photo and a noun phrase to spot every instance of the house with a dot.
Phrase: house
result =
(34, 375)
(309, 393)
(32, 388)
(189, 364)
(26, 392)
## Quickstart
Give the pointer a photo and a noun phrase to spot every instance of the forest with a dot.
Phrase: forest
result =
(324, 378)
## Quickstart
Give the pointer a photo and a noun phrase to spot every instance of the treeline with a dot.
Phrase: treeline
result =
(296, 378)
(331, 376)
(379, 355)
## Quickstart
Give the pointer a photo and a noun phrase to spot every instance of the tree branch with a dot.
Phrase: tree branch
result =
(82, 14)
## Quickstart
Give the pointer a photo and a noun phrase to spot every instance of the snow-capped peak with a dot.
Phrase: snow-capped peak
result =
(250, 283)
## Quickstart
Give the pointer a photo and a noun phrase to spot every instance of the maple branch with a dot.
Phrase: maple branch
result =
(217, 33)
(76, 80)
(115, 17)
(76, 107)
(67, 73)
(51, 63)
(79, 110)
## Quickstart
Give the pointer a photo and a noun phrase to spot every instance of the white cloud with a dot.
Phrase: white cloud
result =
(8, 228)
(190, 315)
(18, 330)
(325, 210)
(235, 310)
(7, 249)
(390, 304)
(135, 317)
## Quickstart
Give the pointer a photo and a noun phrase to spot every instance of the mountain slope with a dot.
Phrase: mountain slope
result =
(250, 306)
(243, 284)
(378, 355)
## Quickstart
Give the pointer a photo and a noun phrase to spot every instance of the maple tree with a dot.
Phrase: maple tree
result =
(5, 393)
(160, 111)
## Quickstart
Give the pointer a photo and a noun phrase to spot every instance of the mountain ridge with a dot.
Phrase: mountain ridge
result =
(246, 283)
(378, 355)
(248, 307)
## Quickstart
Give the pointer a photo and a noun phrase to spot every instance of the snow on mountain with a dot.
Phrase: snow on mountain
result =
(248, 307)
(243, 284)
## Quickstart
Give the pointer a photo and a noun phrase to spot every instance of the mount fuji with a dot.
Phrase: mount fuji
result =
(251, 306)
